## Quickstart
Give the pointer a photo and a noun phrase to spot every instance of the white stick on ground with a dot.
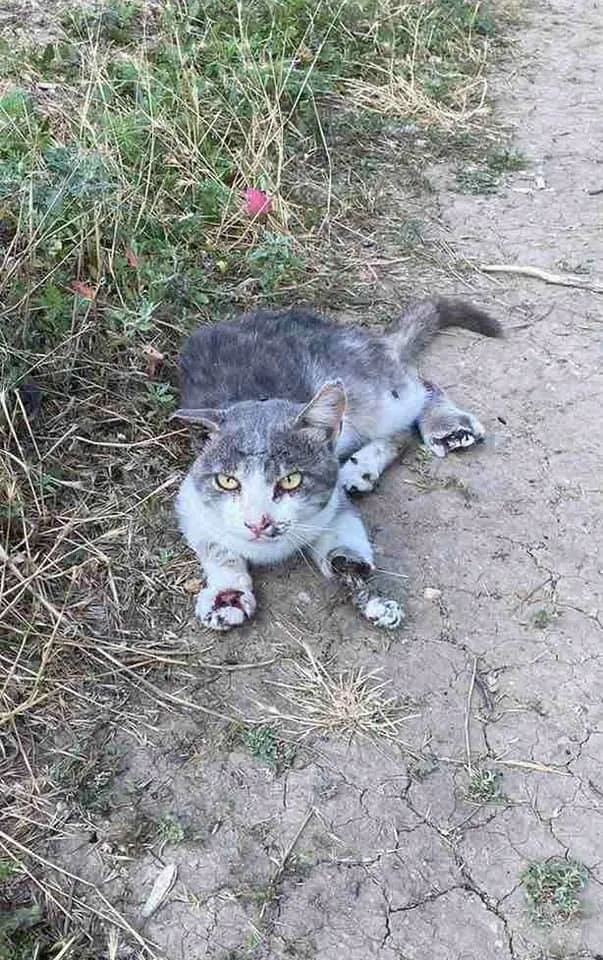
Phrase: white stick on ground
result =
(562, 280)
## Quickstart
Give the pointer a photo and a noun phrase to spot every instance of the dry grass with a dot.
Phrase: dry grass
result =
(318, 702)
(123, 154)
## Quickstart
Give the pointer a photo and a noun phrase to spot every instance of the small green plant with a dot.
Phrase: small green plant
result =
(8, 869)
(543, 618)
(275, 260)
(484, 786)
(170, 830)
(475, 179)
(487, 176)
(264, 745)
(505, 161)
(161, 395)
(552, 888)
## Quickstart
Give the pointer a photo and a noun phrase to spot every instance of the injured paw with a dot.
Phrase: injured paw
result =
(225, 608)
(353, 573)
(387, 614)
(444, 429)
(357, 477)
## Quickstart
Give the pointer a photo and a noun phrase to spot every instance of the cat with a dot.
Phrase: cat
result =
(293, 413)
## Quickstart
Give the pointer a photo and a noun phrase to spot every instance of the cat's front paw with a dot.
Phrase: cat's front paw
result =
(358, 477)
(224, 609)
(387, 614)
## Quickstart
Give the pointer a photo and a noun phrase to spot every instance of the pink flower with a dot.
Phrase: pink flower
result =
(257, 203)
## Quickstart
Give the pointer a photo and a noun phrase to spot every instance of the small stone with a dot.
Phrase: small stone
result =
(432, 593)
(539, 183)
(163, 884)
(304, 597)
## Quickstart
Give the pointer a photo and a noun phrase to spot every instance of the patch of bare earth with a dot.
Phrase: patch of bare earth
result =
(293, 841)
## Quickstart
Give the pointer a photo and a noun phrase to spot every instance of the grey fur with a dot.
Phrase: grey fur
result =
(290, 391)
(291, 353)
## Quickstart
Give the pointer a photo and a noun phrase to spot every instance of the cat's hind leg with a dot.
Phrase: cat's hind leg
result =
(227, 598)
(344, 553)
(361, 471)
(444, 426)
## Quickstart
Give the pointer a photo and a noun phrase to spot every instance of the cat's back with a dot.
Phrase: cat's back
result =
(264, 354)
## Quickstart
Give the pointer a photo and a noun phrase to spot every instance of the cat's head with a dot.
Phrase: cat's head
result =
(266, 470)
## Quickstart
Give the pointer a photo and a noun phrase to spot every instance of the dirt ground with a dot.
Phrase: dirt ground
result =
(374, 850)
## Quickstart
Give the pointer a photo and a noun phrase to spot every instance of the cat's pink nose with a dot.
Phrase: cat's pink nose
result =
(263, 524)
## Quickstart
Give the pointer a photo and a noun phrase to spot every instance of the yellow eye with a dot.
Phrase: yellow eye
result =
(224, 482)
(291, 482)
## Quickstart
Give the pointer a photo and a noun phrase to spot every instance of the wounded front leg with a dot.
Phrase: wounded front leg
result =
(344, 553)
(227, 598)
(444, 426)
(360, 473)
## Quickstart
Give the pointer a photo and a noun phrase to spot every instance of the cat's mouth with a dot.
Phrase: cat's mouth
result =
(270, 534)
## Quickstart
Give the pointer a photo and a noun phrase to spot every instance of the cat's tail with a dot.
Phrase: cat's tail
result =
(417, 328)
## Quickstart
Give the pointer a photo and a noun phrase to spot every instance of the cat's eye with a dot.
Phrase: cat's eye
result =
(291, 482)
(224, 482)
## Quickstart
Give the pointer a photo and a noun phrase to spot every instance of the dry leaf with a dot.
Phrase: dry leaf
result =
(83, 289)
(164, 882)
(131, 258)
(193, 585)
(154, 360)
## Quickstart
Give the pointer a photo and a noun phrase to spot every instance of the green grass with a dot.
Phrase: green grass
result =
(488, 175)
(484, 786)
(552, 888)
(265, 745)
(125, 172)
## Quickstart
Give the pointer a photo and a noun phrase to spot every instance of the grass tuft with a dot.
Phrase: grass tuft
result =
(552, 888)
(484, 786)
(351, 704)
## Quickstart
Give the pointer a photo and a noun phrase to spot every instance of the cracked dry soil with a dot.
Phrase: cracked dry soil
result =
(394, 860)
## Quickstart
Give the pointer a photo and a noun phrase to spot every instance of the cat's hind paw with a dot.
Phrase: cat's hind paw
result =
(224, 609)
(446, 429)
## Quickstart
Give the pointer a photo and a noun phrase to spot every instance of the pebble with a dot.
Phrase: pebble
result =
(432, 593)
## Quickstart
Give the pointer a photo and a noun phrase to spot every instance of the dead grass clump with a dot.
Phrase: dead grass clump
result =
(350, 703)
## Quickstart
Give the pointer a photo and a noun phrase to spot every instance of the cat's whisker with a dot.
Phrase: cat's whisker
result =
(391, 573)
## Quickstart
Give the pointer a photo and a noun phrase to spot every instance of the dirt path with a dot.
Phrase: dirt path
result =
(365, 852)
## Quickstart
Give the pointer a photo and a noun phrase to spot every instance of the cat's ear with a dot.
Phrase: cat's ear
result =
(203, 423)
(324, 414)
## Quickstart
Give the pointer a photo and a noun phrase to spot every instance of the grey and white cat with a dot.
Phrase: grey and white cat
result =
(296, 412)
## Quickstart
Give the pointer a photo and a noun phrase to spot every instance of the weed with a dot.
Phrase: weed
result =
(162, 396)
(552, 888)
(543, 618)
(264, 745)
(506, 161)
(487, 176)
(170, 830)
(484, 786)
(87, 777)
(353, 703)
(8, 869)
